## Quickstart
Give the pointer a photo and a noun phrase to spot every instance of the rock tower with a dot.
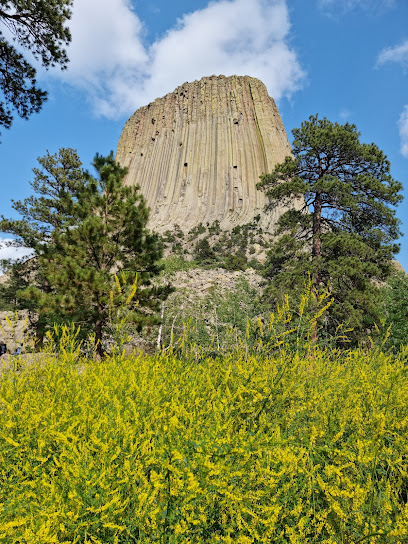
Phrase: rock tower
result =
(198, 152)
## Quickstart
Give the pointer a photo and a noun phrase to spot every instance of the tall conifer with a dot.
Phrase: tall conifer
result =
(345, 234)
(92, 231)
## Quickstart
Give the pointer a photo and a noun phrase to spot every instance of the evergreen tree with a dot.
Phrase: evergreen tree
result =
(56, 183)
(20, 275)
(39, 27)
(395, 309)
(344, 235)
(87, 232)
(204, 253)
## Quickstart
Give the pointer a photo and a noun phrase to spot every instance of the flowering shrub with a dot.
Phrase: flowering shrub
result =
(233, 450)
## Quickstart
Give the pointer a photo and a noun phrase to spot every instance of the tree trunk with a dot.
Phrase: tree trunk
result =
(317, 243)
(98, 339)
(159, 336)
(39, 334)
(39, 339)
(317, 250)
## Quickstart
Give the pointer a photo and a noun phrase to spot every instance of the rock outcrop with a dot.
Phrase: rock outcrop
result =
(198, 152)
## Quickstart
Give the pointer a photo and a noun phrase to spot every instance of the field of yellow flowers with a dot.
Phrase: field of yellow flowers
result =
(234, 450)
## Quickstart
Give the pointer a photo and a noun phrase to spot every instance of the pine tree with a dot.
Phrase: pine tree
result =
(92, 231)
(345, 234)
(39, 27)
(395, 309)
(56, 183)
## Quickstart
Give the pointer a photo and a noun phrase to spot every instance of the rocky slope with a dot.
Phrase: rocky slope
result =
(198, 152)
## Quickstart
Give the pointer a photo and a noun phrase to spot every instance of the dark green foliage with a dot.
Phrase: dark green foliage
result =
(172, 239)
(344, 234)
(223, 254)
(227, 249)
(236, 262)
(84, 230)
(204, 254)
(178, 232)
(39, 27)
(56, 183)
(255, 264)
(21, 275)
(395, 309)
(169, 237)
(210, 246)
(196, 231)
(214, 228)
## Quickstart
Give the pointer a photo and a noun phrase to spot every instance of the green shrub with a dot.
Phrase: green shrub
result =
(213, 324)
(174, 263)
(214, 228)
(196, 231)
(235, 262)
(204, 253)
(395, 309)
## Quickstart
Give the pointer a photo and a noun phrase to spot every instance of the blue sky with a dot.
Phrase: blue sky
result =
(343, 59)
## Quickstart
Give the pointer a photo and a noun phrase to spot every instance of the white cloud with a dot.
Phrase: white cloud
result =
(10, 251)
(403, 130)
(398, 54)
(107, 44)
(111, 62)
(374, 6)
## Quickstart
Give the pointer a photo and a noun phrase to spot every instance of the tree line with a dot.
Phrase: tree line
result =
(93, 250)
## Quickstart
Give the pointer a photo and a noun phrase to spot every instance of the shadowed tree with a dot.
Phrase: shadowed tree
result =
(39, 27)
(345, 234)
(56, 182)
(85, 232)
(395, 309)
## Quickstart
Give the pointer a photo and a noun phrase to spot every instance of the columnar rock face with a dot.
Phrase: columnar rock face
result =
(198, 152)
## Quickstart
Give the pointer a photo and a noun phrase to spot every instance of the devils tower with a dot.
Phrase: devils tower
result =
(198, 152)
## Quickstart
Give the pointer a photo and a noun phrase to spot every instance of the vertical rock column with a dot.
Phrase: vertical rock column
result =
(198, 152)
